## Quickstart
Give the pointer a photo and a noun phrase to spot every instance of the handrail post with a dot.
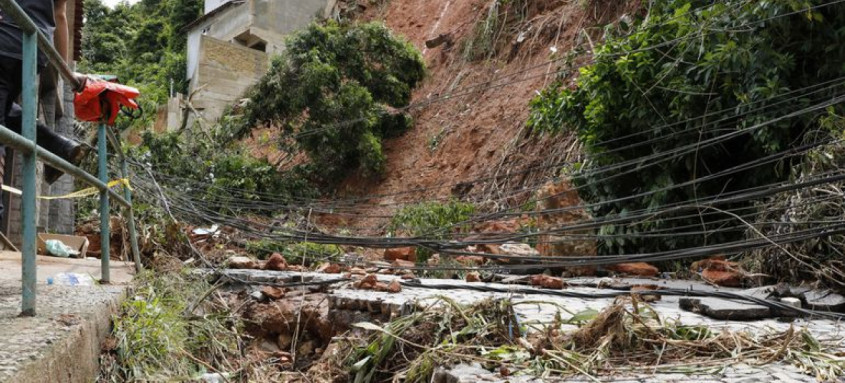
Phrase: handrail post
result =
(102, 149)
(133, 237)
(30, 101)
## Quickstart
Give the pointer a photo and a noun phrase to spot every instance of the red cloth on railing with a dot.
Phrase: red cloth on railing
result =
(102, 100)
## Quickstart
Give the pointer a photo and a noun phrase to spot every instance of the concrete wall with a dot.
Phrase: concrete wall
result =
(169, 116)
(211, 5)
(265, 24)
(276, 19)
(223, 26)
(224, 72)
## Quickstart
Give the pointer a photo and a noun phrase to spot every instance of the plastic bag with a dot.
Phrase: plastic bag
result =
(59, 249)
(71, 279)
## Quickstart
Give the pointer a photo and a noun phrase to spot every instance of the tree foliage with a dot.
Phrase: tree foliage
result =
(431, 220)
(142, 44)
(334, 94)
(225, 178)
(694, 71)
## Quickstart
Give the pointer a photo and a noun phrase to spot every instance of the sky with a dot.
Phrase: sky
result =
(112, 3)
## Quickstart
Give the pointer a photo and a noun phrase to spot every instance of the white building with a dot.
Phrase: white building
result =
(229, 47)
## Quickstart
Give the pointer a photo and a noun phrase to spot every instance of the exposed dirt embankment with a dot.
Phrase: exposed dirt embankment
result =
(469, 139)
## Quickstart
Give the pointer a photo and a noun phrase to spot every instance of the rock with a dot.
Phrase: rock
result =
(439, 40)
(473, 277)
(794, 302)
(642, 291)
(403, 264)
(722, 278)
(258, 295)
(394, 287)
(240, 262)
(310, 314)
(640, 269)
(403, 253)
(329, 268)
(716, 263)
(284, 341)
(434, 260)
(284, 357)
(723, 309)
(273, 292)
(558, 205)
(546, 281)
(368, 283)
(718, 271)
(276, 262)
(380, 286)
(824, 300)
(409, 276)
(357, 271)
(268, 346)
(497, 228)
(488, 249)
(305, 348)
(519, 249)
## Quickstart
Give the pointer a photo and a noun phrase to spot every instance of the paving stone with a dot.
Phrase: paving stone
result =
(723, 309)
(825, 300)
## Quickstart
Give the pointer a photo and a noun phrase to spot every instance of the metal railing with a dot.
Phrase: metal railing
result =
(32, 39)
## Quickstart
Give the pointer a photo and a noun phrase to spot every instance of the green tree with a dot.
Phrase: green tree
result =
(695, 71)
(334, 93)
(142, 44)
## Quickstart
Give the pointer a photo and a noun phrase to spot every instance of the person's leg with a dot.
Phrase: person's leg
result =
(10, 72)
(45, 137)
(65, 148)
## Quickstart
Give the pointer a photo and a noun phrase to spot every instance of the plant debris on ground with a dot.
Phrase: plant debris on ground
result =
(625, 336)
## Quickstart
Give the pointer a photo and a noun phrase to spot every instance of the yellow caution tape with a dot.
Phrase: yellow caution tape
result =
(87, 192)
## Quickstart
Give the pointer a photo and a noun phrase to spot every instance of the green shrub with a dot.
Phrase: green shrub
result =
(143, 45)
(431, 220)
(693, 71)
(155, 331)
(296, 253)
(334, 94)
(224, 176)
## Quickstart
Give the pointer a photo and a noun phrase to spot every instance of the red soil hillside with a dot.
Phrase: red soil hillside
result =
(470, 116)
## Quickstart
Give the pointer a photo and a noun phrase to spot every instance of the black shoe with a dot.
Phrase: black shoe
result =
(77, 154)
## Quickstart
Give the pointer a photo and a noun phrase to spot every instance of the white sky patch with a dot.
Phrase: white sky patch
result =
(112, 3)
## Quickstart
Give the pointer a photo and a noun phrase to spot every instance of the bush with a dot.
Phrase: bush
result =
(296, 253)
(431, 220)
(334, 94)
(155, 331)
(142, 44)
(223, 176)
(693, 71)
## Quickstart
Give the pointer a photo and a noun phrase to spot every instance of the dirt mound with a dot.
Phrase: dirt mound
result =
(469, 139)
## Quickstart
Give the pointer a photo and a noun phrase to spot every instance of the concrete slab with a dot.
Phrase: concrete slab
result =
(723, 309)
(62, 342)
(825, 300)
(736, 373)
